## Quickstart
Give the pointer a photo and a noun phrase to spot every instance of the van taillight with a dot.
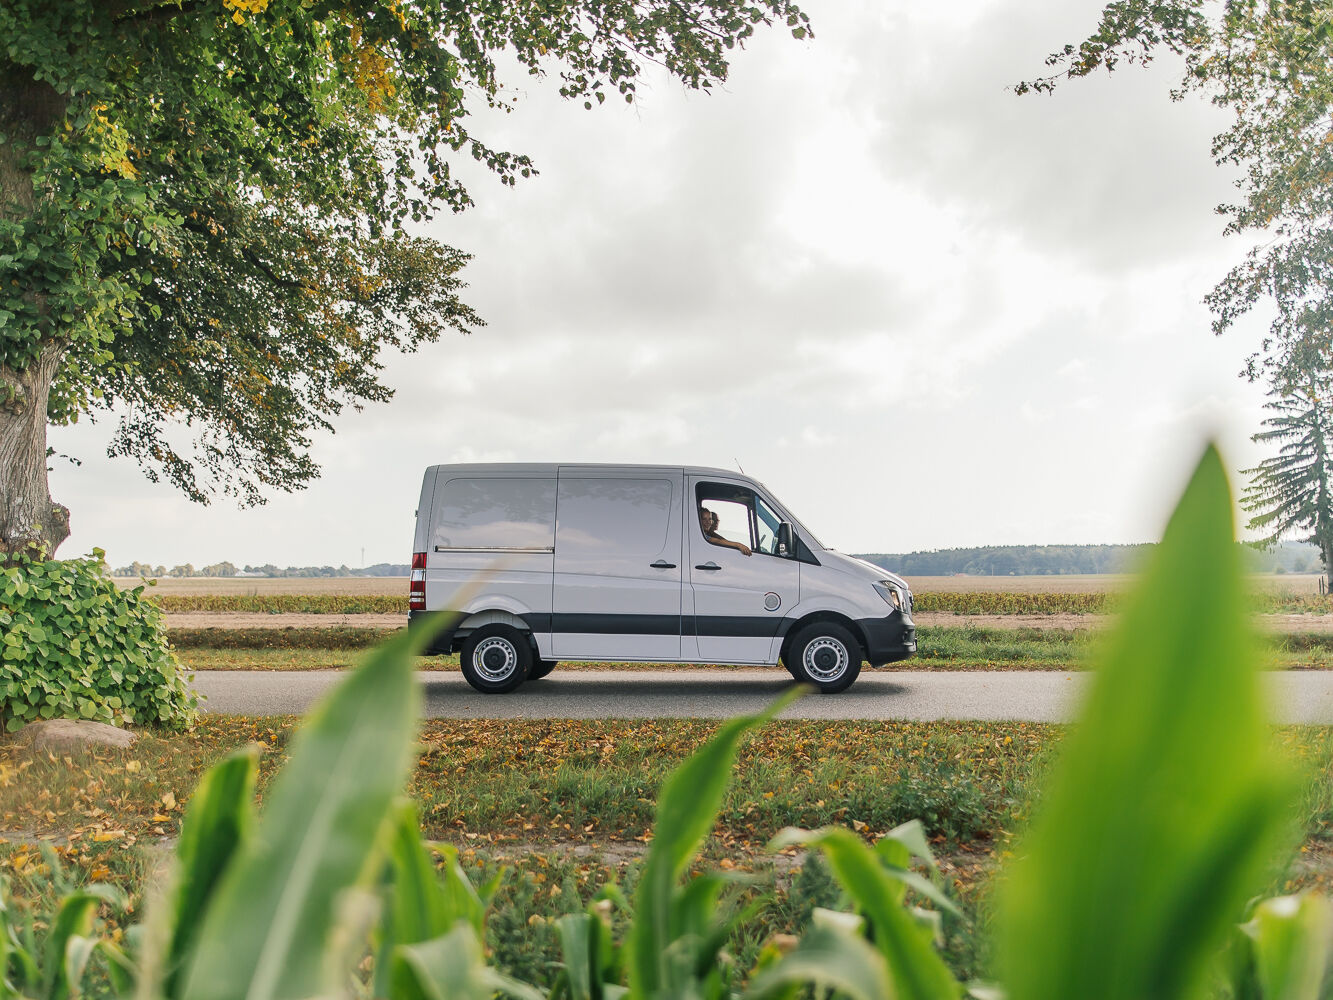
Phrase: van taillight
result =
(416, 583)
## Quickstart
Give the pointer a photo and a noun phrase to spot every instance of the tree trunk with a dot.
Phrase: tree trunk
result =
(1326, 554)
(28, 519)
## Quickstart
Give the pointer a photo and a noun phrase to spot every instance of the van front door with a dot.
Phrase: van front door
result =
(618, 576)
(740, 599)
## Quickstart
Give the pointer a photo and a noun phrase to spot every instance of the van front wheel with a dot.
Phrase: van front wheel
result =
(496, 659)
(826, 655)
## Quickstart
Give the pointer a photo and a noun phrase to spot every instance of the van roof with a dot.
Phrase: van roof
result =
(553, 467)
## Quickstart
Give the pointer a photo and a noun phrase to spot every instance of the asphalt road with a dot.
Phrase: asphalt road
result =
(1030, 696)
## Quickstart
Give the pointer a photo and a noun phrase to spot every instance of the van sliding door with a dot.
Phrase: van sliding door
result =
(617, 564)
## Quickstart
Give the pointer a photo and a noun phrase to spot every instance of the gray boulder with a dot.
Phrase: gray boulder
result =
(59, 736)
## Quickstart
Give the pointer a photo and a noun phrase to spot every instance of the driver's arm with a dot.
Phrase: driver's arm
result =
(738, 546)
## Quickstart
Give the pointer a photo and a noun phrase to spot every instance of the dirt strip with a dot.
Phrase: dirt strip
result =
(933, 619)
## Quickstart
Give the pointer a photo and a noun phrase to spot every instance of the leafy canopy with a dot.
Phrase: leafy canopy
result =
(206, 204)
(1271, 65)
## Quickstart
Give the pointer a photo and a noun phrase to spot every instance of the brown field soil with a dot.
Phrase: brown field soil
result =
(933, 619)
(397, 585)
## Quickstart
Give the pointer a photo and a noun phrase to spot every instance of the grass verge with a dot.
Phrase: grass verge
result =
(566, 806)
(939, 648)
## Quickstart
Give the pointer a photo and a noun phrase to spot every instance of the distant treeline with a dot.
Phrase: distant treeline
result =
(1062, 560)
(990, 560)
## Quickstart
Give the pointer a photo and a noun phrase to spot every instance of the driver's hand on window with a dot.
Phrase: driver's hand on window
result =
(744, 548)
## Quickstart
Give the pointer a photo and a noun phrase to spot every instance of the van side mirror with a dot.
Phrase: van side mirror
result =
(786, 539)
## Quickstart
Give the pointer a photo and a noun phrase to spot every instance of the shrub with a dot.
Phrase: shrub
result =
(77, 647)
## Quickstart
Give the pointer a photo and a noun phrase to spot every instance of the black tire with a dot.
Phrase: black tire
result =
(826, 655)
(540, 668)
(496, 658)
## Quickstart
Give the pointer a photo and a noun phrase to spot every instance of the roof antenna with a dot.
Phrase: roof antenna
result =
(738, 464)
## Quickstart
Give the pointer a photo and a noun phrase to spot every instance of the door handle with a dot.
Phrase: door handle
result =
(710, 566)
(662, 564)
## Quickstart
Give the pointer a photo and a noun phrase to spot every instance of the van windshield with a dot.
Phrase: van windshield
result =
(766, 526)
(805, 531)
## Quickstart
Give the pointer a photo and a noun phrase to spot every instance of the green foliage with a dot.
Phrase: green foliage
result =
(284, 604)
(75, 646)
(1290, 491)
(208, 205)
(337, 637)
(988, 602)
(1169, 805)
(679, 930)
(1018, 560)
(1271, 66)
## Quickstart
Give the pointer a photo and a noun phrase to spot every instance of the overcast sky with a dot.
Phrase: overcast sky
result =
(925, 312)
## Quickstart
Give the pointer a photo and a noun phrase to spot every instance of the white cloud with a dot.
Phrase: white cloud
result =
(925, 311)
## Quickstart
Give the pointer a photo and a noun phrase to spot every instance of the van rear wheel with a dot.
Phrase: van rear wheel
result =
(496, 658)
(826, 655)
(540, 668)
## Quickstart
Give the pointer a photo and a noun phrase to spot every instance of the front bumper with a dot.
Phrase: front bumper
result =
(888, 639)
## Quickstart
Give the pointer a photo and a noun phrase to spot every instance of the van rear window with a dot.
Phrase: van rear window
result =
(497, 513)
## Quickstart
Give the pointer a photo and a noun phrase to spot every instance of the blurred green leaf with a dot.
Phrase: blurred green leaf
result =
(451, 967)
(832, 959)
(1289, 946)
(1168, 805)
(69, 942)
(217, 823)
(266, 933)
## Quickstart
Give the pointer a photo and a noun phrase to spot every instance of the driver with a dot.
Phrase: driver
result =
(708, 523)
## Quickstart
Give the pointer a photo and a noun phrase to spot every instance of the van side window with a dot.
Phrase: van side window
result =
(622, 516)
(742, 515)
(508, 513)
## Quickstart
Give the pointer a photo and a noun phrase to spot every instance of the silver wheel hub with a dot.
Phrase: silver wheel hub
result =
(495, 659)
(825, 659)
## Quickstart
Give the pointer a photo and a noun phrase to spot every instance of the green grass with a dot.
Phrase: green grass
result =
(939, 648)
(568, 805)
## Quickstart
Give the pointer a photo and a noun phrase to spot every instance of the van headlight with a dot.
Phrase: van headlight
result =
(893, 595)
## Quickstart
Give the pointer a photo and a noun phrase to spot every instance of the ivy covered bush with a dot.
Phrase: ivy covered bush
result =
(74, 646)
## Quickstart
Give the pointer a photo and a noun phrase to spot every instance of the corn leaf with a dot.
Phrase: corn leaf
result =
(827, 958)
(69, 943)
(1289, 946)
(907, 944)
(578, 951)
(1168, 805)
(267, 931)
(451, 967)
(686, 811)
(216, 824)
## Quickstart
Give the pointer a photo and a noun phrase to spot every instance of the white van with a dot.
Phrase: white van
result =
(641, 563)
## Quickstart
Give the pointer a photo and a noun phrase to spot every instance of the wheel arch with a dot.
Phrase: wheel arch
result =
(491, 616)
(817, 617)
